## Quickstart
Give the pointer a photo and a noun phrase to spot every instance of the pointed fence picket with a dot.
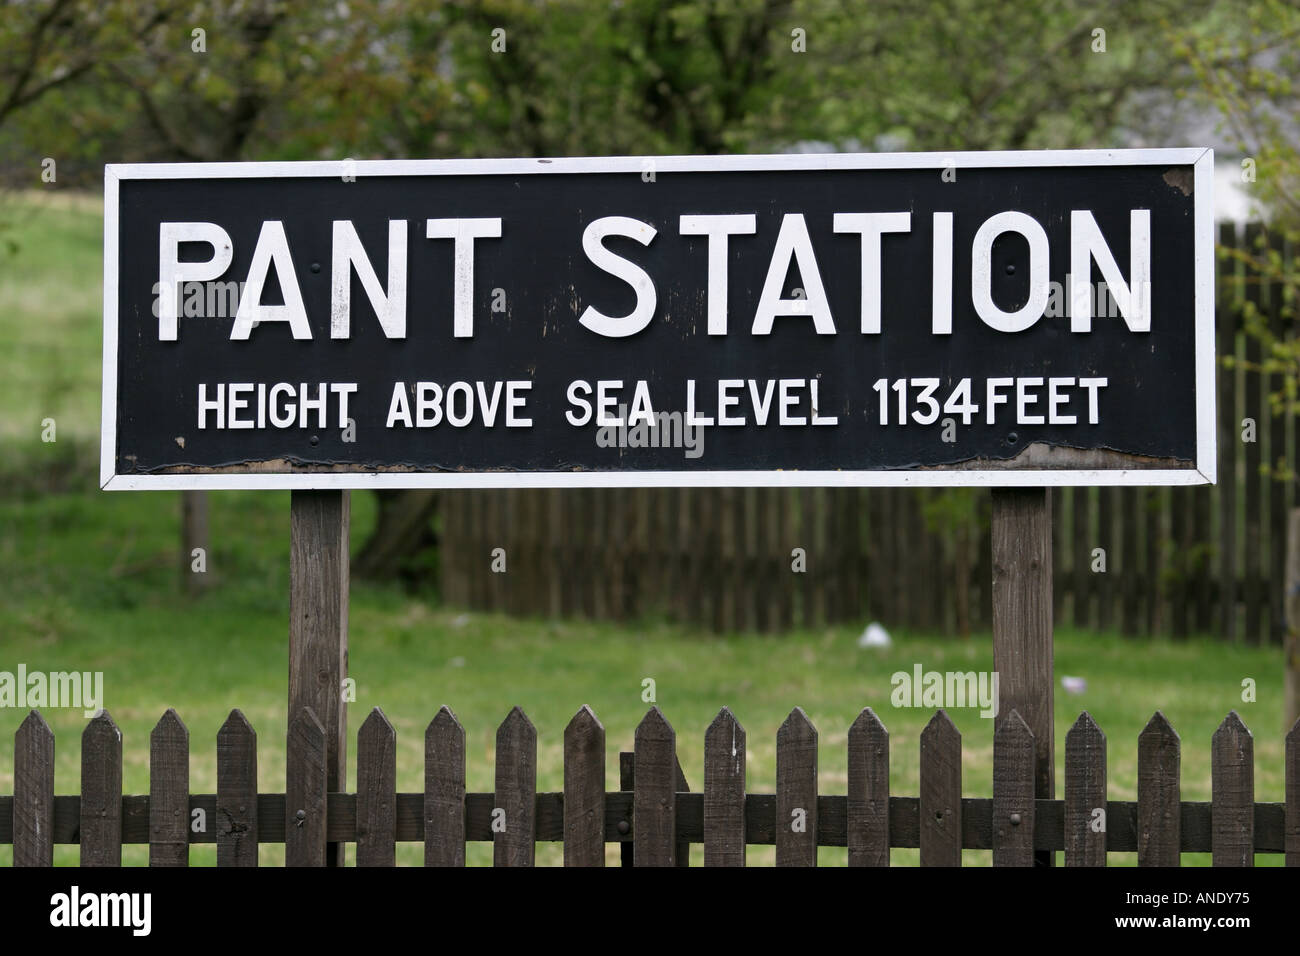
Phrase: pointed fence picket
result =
(654, 816)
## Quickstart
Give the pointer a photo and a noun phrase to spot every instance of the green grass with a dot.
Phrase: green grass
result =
(89, 581)
(51, 302)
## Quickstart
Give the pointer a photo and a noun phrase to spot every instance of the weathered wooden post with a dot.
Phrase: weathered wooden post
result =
(318, 624)
(1022, 623)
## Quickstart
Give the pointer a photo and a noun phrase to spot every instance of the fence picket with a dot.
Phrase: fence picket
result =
(868, 797)
(101, 792)
(626, 785)
(169, 792)
(655, 818)
(1233, 813)
(1159, 786)
(444, 791)
(940, 836)
(305, 799)
(584, 790)
(236, 792)
(682, 858)
(33, 813)
(1292, 772)
(796, 791)
(724, 791)
(654, 802)
(1085, 793)
(376, 792)
(514, 841)
(1013, 792)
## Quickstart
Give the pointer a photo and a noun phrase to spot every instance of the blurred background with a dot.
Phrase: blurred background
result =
(693, 588)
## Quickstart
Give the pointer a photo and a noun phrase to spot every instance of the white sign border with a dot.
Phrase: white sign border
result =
(1201, 159)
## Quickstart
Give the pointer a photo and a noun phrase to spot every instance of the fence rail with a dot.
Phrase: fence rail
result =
(1176, 560)
(654, 816)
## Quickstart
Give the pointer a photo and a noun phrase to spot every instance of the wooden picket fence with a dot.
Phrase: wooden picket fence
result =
(1207, 560)
(654, 816)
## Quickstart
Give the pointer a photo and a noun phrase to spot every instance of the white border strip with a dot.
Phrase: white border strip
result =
(108, 399)
(657, 479)
(335, 169)
(1207, 452)
(1206, 432)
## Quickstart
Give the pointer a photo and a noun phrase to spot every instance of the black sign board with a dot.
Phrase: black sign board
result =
(975, 318)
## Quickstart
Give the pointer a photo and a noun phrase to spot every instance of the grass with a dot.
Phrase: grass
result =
(51, 304)
(89, 581)
(89, 584)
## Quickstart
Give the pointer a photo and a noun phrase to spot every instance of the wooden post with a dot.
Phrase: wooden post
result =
(318, 623)
(1022, 622)
(1291, 648)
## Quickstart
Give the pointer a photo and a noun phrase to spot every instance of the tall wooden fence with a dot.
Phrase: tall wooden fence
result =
(653, 816)
(1137, 560)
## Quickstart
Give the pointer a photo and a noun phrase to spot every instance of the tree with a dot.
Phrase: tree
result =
(47, 46)
(710, 76)
(1248, 70)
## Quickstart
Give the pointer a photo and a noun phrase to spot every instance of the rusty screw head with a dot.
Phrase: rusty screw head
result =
(624, 827)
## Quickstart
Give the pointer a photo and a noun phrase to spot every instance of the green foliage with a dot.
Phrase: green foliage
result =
(291, 79)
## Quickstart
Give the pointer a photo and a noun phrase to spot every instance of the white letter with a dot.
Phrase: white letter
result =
(718, 228)
(941, 286)
(793, 241)
(286, 420)
(982, 272)
(1092, 385)
(1133, 297)
(1023, 401)
(464, 231)
(398, 409)
(1056, 399)
(211, 405)
(646, 299)
(172, 273)
(994, 398)
(514, 402)
(871, 225)
(348, 252)
(236, 405)
(726, 400)
(272, 247)
(574, 387)
(605, 401)
(343, 390)
(307, 405)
